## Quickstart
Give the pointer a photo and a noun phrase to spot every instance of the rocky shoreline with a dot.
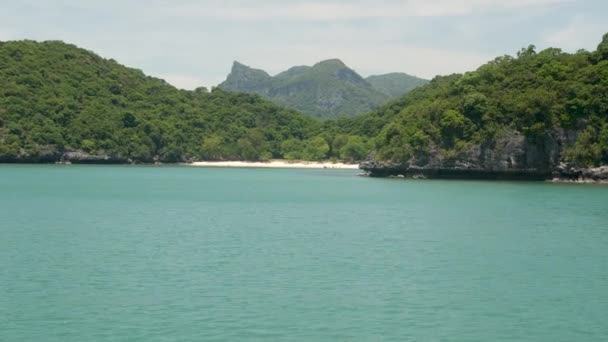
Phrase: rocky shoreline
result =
(563, 174)
(53, 155)
(566, 174)
(509, 156)
(380, 169)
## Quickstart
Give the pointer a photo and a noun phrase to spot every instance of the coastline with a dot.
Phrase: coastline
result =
(578, 181)
(277, 164)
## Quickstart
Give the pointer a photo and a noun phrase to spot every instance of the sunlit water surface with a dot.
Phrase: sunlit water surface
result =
(122, 253)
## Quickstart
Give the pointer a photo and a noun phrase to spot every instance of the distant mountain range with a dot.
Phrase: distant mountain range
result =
(325, 90)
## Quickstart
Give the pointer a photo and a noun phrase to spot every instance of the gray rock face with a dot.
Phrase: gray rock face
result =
(81, 157)
(45, 154)
(246, 79)
(54, 154)
(568, 173)
(511, 155)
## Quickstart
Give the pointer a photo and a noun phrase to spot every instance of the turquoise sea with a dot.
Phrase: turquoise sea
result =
(124, 253)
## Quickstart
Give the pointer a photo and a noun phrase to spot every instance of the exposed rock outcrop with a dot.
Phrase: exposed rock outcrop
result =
(567, 173)
(81, 157)
(54, 154)
(45, 154)
(511, 155)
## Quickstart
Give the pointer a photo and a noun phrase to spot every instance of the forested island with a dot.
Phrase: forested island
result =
(539, 114)
(62, 103)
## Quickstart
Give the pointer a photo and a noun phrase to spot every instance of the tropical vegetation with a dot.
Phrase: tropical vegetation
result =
(59, 97)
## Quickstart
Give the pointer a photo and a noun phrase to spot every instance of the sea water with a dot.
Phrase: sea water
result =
(124, 253)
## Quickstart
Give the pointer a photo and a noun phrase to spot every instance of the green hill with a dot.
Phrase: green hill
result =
(59, 102)
(326, 90)
(539, 112)
(395, 84)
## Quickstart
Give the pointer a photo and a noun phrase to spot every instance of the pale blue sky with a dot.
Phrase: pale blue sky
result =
(192, 43)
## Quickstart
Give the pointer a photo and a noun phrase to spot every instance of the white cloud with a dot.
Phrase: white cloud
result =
(341, 10)
(192, 42)
(6, 35)
(182, 81)
(580, 33)
(431, 8)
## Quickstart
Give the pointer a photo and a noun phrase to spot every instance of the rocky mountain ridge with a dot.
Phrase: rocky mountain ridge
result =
(325, 90)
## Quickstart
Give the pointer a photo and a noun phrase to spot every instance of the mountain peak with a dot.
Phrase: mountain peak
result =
(244, 77)
(326, 90)
(395, 84)
(238, 66)
(333, 62)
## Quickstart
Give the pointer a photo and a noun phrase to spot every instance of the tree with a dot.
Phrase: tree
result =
(586, 151)
(129, 120)
(453, 125)
(212, 148)
(316, 149)
(291, 149)
(88, 145)
(355, 149)
(339, 141)
(252, 145)
(527, 52)
(602, 48)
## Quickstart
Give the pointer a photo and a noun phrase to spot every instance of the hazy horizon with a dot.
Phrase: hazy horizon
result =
(194, 43)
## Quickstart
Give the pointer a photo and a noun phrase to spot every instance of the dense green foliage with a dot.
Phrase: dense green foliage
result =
(329, 89)
(57, 96)
(54, 95)
(533, 93)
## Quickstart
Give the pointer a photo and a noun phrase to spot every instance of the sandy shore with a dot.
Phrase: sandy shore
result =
(277, 164)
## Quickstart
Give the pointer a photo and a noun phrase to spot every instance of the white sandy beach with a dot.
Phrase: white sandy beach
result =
(277, 164)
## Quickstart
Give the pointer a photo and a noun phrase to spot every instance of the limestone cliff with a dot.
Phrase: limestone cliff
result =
(511, 155)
